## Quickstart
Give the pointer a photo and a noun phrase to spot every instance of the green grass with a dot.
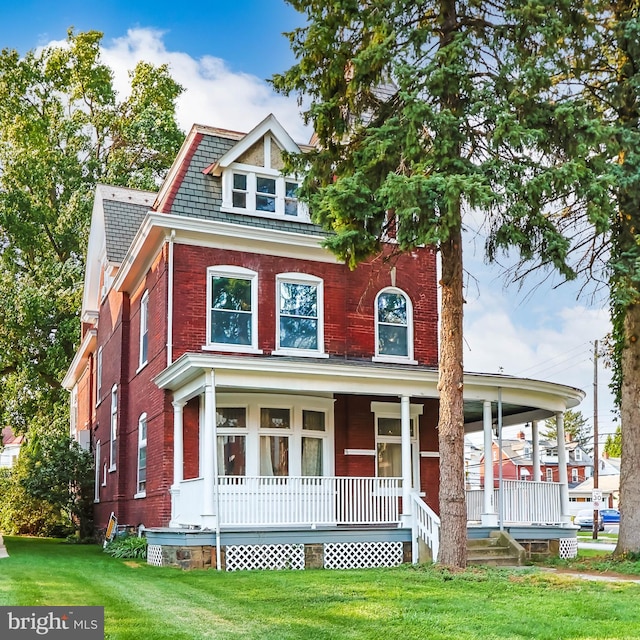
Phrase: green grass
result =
(143, 602)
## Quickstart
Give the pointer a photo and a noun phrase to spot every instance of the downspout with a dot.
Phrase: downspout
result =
(170, 300)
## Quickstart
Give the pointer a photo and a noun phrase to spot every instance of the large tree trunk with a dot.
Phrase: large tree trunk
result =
(629, 535)
(453, 512)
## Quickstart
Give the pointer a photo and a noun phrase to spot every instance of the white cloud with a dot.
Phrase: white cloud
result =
(214, 94)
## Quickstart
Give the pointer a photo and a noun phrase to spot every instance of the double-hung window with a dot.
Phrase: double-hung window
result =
(144, 329)
(99, 376)
(232, 320)
(141, 490)
(393, 325)
(113, 437)
(232, 441)
(300, 302)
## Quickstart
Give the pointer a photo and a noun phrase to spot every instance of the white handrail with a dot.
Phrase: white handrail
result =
(428, 525)
(525, 502)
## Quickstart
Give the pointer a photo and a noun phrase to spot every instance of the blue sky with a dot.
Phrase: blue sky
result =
(222, 52)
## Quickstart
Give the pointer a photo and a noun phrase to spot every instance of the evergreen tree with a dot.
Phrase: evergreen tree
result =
(429, 111)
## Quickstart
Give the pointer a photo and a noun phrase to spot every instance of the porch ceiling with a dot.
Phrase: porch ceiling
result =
(522, 399)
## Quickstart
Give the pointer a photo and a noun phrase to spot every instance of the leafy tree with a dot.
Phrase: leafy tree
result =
(56, 470)
(424, 113)
(575, 426)
(613, 444)
(22, 514)
(62, 130)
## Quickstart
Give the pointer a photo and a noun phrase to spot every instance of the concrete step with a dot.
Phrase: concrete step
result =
(497, 550)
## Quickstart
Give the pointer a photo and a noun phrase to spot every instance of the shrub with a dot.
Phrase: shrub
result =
(129, 547)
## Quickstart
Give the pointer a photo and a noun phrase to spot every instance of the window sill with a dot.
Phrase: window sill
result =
(301, 217)
(394, 360)
(230, 348)
(141, 366)
(299, 353)
(111, 469)
(142, 494)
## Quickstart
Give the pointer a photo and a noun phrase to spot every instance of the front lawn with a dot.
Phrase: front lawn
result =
(143, 602)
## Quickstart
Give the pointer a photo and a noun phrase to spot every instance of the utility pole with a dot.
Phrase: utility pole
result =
(596, 456)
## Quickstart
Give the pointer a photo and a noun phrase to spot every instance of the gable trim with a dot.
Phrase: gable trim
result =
(269, 125)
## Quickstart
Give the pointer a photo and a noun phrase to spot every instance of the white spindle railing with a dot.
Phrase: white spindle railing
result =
(306, 500)
(525, 502)
(428, 525)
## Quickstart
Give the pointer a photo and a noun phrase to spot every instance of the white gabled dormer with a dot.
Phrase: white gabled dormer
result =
(252, 178)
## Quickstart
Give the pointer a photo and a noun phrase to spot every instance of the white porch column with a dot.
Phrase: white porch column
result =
(178, 462)
(489, 517)
(535, 437)
(407, 476)
(562, 469)
(209, 458)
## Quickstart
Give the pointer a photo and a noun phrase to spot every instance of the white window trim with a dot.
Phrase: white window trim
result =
(230, 271)
(96, 488)
(301, 278)
(548, 474)
(379, 357)
(143, 358)
(574, 474)
(253, 403)
(141, 441)
(577, 454)
(99, 376)
(252, 173)
(73, 412)
(393, 410)
(113, 429)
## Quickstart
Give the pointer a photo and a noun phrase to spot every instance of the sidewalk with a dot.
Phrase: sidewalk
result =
(3, 549)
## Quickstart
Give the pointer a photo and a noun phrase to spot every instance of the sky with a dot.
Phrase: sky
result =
(222, 53)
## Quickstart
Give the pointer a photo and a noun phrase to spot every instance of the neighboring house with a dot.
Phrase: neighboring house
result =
(252, 401)
(9, 447)
(608, 483)
(517, 461)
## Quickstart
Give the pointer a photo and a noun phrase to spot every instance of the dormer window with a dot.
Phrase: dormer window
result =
(255, 192)
(252, 175)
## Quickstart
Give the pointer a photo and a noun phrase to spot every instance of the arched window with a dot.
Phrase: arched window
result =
(394, 325)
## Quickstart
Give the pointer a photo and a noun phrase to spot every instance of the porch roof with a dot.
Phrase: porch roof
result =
(522, 399)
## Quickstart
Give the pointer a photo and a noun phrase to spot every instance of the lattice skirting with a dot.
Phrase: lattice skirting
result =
(154, 555)
(362, 555)
(568, 547)
(264, 556)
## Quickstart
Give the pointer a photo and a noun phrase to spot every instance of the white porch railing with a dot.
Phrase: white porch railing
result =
(428, 525)
(524, 502)
(293, 500)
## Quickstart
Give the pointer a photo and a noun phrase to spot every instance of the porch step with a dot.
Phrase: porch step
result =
(498, 550)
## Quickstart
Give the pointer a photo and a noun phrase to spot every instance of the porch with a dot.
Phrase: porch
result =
(264, 416)
(340, 522)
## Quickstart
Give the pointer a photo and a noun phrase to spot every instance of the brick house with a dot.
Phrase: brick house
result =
(248, 394)
(518, 464)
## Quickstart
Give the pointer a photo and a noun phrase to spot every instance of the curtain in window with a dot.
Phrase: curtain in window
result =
(274, 456)
(312, 457)
(389, 460)
(231, 455)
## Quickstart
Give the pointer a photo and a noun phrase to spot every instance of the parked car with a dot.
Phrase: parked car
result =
(584, 519)
(610, 516)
